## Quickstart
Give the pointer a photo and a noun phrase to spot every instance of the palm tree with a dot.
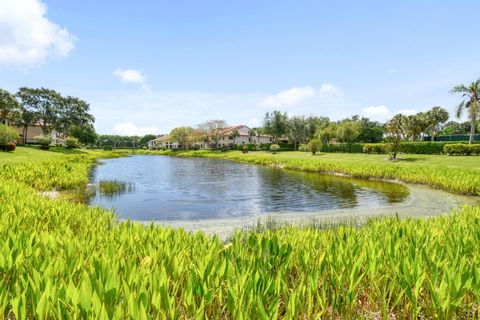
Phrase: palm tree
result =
(235, 134)
(471, 102)
(436, 116)
(251, 133)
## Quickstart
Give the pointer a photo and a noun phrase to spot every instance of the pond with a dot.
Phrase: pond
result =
(163, 188)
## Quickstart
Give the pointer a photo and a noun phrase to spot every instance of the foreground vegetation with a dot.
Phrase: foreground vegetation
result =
(456, 174)
(64, 260)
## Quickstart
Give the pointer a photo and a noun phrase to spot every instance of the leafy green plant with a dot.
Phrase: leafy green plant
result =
(44, 140)
(274, 148)
(72, 142)
(461, 149)
(303, 148)
(314, 145)
(7, 135)
(68, 261)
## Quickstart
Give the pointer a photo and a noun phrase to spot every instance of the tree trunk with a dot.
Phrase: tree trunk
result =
(433, 135)
(25, 134)
(472, 132)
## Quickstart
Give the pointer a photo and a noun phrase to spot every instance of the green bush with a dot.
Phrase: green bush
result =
(245, 149)
(107, 148)
(283, 146)
(343, 148)
(72, 142)
(7, 136)
(422, 147)
(315, 145)
(374, 148)
(44, 140)
(461, 149)
(304, 148)
(274, 148)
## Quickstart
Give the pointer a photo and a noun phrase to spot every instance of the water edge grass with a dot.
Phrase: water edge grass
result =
(64, 260)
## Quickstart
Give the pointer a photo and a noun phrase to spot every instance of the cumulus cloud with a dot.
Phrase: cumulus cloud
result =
(134, 76)
(377, 113)
(328, 89)
(27, 37)
(130, 129)
(288, 97)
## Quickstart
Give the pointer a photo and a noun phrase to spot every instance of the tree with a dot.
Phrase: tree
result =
(395, 129)
(415, 125)
(327, 132)
(45, 103)
(258, 131)
(9, 107)
(297, 130)
(275, 124)
(312, 125)
(235, 134)
(144, 140)
(471, 102)
(371, 132)
(85, 134)
(315, 145)
(27, 119)
(181, 135)
(73, 112)
(213, 131)
(251, 134)
(348, 131)
(436, 116)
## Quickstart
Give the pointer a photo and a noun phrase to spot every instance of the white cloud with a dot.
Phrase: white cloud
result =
(27, 37)
(288, 97)
(377, 113)
(134, 76)
(130, 129)
(328, 89)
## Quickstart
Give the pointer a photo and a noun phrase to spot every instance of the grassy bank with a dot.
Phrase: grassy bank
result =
(455, 174)
(61, 260)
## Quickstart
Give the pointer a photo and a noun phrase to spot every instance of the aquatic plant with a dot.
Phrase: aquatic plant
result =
(112, 188)
(60, 260)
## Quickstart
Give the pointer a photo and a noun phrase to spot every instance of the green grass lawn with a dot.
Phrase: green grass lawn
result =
(34, 154)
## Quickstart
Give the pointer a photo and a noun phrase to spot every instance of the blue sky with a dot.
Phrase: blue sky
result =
(148, 66)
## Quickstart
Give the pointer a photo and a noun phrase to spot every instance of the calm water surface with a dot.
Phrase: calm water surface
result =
(169, 188)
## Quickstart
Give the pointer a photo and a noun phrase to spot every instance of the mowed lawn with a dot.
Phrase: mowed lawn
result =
(34, 154)
(413, 160)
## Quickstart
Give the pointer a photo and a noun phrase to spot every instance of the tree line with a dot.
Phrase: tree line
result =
(50, 110)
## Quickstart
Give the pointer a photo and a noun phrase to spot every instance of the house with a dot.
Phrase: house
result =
(162, 142)
(227, 139)
(28, 134)
(243, 137)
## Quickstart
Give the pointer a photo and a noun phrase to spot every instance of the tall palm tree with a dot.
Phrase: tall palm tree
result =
(436, 116)
(235, 134)
(471, 102)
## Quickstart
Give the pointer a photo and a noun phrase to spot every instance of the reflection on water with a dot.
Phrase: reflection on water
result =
(168, 188)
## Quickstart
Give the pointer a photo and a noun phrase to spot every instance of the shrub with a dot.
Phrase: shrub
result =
(107, 148)
(374, 148)
(245, 149)
(461, 149)
(44, 140)
(315, 145)
(392, 146)
(7, 136)
(274, 148)
(72, 142)
(304, 148)
(343, 147)
(422, 147)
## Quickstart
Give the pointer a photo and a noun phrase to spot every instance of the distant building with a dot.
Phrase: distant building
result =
(28, 134)
(162, 142)
(227, 140)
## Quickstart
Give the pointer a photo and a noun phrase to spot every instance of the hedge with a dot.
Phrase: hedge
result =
(343, 148)
(409, 147)
(461, 149)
